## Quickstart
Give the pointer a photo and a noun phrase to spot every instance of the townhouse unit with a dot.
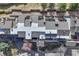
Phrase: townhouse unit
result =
(6, 24)
(74, 29)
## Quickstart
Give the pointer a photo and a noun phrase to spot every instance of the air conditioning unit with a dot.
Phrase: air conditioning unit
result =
(42, 37)
(40, 44)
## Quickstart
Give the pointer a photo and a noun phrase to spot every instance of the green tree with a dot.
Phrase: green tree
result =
(3, 46)
(44, 5)
(51, 5)
(62, 6)
(74, 6)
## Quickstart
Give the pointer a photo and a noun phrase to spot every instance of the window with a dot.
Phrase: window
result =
(77, 45)
(56, 25)
(40, 17)
(74, 21)
(34, 38)
(73, 36)
(30, 23)
(66, 16)
(44, 23)
(27, 17)
(28, 34)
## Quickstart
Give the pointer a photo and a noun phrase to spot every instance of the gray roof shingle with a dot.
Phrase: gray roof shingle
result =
(6, 24)
(27, 23)
(21, 18)
(50, 25)
(34, 18)
(63, 26)
(72, 22)
(41, 23)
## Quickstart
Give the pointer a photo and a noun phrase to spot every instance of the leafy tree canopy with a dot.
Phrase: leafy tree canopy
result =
(62, 6)
(51, 5)
(44, 5)
(73, 6)
(3, 45)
